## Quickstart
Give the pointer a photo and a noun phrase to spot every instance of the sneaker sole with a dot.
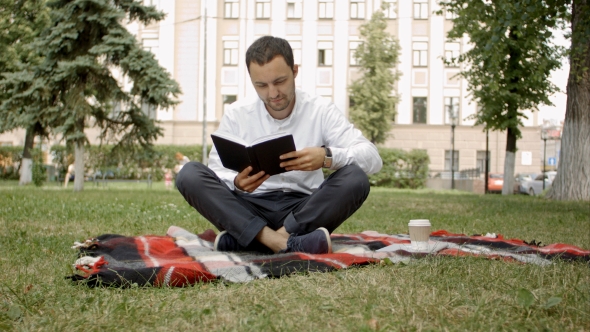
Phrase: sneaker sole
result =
(329, 239)
(218, 237)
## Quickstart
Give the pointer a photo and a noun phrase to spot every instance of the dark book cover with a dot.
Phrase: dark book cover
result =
(263, 154)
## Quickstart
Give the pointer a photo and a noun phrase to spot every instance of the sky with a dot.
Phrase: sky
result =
(559, 78)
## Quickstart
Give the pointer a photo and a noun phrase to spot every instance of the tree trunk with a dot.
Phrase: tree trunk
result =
(572, 181)
(26, 166)
(509, 161)
(79, 166)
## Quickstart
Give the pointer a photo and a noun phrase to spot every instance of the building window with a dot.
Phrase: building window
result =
(230, 53)
(420, 9)
(357, 9)
(480, 161)
(451, 107)
(154, 3)
(420, 54)
(419, 110)
(449, 15)
(262, 9)
(149, 110)
(326, 9)
(324, 53)
(231, 9)
(391, 10)
(228, 100)
(294, 9)
(452, 51)
(296, 47)
(448, 160)
(352, 50)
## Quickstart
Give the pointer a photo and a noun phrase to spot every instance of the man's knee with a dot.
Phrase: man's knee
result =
(355, 177)
(190, 175)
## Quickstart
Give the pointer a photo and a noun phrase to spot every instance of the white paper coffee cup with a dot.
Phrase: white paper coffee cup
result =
(419, 233)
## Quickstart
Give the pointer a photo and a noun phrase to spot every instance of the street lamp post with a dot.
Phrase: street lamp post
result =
(453, 117)
(544, 138)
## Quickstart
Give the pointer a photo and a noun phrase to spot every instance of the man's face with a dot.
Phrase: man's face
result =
(275, 84)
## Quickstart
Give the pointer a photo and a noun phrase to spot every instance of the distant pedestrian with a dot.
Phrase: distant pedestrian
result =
(168, 179)
(70, 172)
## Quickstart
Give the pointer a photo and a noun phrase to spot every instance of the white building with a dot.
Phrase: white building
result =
(206, 57)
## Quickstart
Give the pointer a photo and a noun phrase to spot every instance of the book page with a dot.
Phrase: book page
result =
(230, 137)
(268, 138)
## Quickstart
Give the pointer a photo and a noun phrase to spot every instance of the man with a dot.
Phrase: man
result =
(296, 210)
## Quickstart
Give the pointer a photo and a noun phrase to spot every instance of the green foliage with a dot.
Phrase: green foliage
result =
(373, 96)
(127, 164)
(39, 173)
(402, 169)
(10, 159)
(509, 65)
(20, 23)
(75, 87)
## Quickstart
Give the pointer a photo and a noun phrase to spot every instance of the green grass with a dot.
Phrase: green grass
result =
(38, 226)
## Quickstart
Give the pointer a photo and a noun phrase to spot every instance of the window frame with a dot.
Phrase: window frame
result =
(391, 11)
(448, 161)
(233, 6)
(352, 62)
(359, 9)
(416, 117)
(419, 54)
(262, 9)
(325, 54)
(297, 4)
(328, 10)
(454, 102)
(230, 54)
(420, 10)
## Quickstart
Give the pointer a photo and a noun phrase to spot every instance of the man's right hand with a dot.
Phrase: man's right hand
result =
(243, 181)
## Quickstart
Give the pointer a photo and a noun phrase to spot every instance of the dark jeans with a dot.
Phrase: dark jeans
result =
(245, 215)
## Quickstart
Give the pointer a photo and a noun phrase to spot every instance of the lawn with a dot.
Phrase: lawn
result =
(38, 226)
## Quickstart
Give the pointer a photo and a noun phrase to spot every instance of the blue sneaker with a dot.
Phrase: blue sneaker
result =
(316, 242)
(225, 242)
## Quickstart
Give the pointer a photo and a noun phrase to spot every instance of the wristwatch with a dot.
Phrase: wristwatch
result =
(328, 157)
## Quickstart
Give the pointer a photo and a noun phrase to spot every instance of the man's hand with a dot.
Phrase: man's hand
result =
(308, 159)
(248, 183)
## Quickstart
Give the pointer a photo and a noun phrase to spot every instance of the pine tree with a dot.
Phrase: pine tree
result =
(373, 96)
(21, 22)
(74, 87)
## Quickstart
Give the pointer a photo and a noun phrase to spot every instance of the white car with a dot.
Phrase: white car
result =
(535, 186)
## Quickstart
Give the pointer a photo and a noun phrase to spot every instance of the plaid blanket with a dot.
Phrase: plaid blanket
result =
(182, 258)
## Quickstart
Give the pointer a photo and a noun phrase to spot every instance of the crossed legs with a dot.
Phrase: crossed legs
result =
(271, 218)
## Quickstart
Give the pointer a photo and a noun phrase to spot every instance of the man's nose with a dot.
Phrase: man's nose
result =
(273, 92)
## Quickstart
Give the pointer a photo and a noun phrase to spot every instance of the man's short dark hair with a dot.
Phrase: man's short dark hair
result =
(266, 48)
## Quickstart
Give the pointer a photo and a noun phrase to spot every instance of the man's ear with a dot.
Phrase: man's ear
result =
(295, 70)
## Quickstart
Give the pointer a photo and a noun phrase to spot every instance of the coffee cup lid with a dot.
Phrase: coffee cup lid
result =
(419, 222)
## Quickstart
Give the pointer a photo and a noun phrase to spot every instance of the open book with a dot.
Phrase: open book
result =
(262, 154)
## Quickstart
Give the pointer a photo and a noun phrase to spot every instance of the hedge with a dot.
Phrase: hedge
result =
(401, 169)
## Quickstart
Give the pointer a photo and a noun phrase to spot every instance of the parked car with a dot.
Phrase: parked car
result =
(535, 186)
(495, 182)
(519, 179)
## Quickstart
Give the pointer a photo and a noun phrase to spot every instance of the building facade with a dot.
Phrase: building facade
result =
(202, 43)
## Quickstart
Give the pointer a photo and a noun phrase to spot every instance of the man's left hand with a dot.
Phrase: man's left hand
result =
(308, 159)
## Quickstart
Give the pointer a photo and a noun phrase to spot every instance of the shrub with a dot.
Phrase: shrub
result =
(402, 169)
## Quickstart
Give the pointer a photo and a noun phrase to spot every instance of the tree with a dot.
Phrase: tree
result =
(572, 181)
(74, 87)
(509, 65)
(21, 22)
(373, 97)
